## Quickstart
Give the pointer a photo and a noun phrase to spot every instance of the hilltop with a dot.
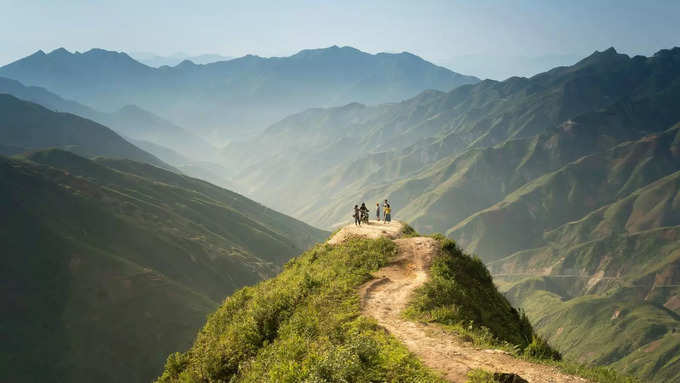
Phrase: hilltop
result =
(324, 319)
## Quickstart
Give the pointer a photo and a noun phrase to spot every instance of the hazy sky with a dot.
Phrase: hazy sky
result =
(484, 38)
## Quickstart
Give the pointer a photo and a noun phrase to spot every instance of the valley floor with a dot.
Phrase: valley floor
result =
(384, 297)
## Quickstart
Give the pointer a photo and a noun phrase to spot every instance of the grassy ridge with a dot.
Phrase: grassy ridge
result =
(461, 295)
(303, 325)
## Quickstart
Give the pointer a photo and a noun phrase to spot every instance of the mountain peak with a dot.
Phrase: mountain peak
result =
(38, 53)
(675, 51)
(59, 52)
(609, 52)
(334, 49)
(605, 57)
(104, 53)
(131, 108)
(186, 64)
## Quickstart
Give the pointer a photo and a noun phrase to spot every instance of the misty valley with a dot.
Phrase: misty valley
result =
(188, 218)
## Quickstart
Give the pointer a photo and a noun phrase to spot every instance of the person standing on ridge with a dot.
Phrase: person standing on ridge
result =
(388, 212)
(357, 216)
(384, 211)
(377, 212)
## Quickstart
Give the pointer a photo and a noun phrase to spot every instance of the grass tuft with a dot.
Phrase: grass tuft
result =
(407, 231)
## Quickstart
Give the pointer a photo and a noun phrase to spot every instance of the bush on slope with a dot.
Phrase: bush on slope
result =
(460, 292)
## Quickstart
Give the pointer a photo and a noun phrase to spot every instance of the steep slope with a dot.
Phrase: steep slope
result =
(386, 297)
(306, 324)
(30, 126)
(568, 194)
(129, 121)
(617, 266)
(229, 98)
(354, 149)
(111, 264)
(520, 172)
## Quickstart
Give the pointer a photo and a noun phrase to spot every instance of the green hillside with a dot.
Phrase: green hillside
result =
(30, 126)
(542, 123)
(306, 323)
(567, 194)
(112, 264)
(617, 267)
(561, 179)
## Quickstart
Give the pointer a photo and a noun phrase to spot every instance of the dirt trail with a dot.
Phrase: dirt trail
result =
(384, 297)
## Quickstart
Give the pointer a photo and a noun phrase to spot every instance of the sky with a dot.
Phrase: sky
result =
(489, 39)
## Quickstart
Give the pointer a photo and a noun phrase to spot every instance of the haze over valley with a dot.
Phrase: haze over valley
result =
(184, 217)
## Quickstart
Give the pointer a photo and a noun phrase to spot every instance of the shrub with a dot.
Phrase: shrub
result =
(478, 375)
(461, 294)
(407, 231)
(540, 349)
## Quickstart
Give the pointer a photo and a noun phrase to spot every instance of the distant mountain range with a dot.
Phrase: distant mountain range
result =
(565, 184)
(520, 172)
(225, 100)
(157, 61)
(110, 265)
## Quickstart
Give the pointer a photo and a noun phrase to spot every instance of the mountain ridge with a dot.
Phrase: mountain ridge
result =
(501, 167)
(211, 94)
(31, 126)
(119, 262)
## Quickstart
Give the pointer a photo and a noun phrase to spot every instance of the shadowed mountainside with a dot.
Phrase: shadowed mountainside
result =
(26, 126)
(110, 265)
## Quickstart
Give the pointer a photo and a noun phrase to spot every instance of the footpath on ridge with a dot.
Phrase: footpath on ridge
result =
(384, 297)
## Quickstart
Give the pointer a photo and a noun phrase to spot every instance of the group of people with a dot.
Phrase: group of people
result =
(361, 213)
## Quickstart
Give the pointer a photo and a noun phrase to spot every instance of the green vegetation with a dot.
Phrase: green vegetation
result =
(635, 338)
(592, 373)
(595, 373)
(408, 232)
(110, 265)
(461, 295)
(303, 325)
(478, 375)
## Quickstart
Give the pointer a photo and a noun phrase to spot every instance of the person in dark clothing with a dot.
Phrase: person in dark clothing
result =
(357, 215)
(364, 212)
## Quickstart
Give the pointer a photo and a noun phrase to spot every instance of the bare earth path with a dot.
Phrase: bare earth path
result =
(384, 297)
